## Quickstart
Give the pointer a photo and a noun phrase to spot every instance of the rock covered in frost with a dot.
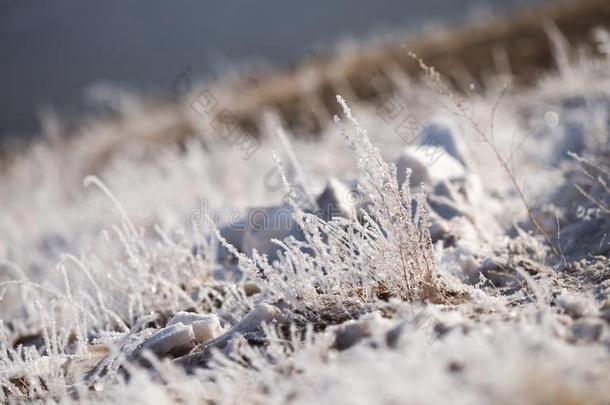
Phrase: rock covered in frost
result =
(256, 229)
(589, 330)
(177, 337)
(250, 289)
(392, 336)
(576, 306)
(497, 273)
(339, 200)
(429, 165)
(207, 330)
(428, 324)
(444, 132)
(441, 155)
(264, 313)
(352, 332)
(444, 207)
(205, 326)
(265, 224)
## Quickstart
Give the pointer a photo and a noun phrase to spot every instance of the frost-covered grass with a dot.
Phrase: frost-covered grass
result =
(429, 293)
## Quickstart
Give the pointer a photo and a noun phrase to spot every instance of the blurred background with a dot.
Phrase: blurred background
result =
(52, 52)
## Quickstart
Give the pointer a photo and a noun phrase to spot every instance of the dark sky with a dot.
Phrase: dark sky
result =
(50, 51)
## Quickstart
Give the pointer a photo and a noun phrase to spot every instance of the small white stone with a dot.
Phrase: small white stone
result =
(429, 165)
(205, 326)
(207, 329)
(169, 338)
(264, 313)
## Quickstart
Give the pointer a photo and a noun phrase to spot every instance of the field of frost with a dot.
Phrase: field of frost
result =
(437, 247)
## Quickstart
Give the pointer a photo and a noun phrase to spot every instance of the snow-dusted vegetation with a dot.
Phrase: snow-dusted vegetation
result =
(436, 247)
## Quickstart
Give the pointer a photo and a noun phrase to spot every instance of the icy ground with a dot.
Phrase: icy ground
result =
(336, 280)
